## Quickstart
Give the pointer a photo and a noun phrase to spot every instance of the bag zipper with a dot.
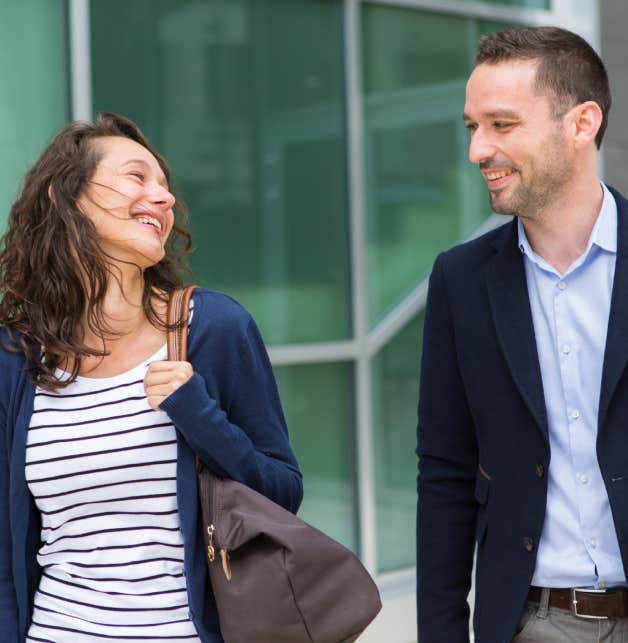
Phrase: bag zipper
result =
(211, 553)
(211, 529)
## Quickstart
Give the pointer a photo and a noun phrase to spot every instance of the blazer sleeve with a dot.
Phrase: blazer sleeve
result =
(8, 604)
(447, 451)
(248, 440)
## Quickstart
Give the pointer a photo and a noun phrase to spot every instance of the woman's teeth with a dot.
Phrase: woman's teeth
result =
(150, 221)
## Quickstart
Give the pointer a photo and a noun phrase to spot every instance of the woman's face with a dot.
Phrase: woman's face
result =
(129, 202)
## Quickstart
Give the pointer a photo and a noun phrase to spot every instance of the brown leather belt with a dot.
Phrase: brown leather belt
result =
(587, 603)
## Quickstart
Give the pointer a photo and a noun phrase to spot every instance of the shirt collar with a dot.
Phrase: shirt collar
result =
(603, 235)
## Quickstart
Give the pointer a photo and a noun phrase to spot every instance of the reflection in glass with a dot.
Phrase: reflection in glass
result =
(395, 378)
(245, 98)
(33, 77)
(421, 193)
(318, 403)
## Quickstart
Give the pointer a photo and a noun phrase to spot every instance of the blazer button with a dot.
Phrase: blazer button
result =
(539, 469)
(528, 544)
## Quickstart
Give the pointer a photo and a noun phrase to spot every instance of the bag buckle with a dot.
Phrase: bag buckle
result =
(574, 603)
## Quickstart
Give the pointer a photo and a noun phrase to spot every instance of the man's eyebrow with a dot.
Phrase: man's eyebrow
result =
(499, 113)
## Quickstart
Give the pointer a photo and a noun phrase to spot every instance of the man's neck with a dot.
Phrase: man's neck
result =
(561, 232)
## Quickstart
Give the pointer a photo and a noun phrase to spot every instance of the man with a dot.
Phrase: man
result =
(523, 412)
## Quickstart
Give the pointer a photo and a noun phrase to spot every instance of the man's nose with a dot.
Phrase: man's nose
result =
(481, 148)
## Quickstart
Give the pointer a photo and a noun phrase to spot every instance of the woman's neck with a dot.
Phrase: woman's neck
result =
(131, 336)
(122, 308)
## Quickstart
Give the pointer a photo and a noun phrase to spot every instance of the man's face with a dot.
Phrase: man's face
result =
(516, 139)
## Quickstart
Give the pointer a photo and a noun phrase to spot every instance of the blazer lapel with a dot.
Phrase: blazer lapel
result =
(616, 352)
(510, 307)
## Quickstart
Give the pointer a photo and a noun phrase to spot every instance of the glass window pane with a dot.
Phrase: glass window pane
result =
(255, 135)
(318, 403)
(395, 378)
(33, 77)
(422, 193)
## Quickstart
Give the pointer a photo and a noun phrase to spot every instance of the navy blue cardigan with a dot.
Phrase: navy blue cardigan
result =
(228, 413)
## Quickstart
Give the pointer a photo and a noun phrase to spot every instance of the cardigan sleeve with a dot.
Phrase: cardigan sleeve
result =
(246, 438)
(8, 604)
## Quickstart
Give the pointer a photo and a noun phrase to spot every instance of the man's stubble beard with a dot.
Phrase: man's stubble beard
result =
(545, 186)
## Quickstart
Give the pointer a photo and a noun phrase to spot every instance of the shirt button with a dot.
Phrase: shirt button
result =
(566, 349)
(591, 543)
(539, 469)
(562, 285)
(584, 479)
(575, 414)
(528, 544)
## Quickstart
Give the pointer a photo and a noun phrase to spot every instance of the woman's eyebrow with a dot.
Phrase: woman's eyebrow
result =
(162, 177)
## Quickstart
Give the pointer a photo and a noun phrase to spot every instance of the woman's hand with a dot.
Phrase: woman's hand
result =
(164, 378)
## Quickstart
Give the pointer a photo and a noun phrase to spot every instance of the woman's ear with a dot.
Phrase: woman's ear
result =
(51, 194)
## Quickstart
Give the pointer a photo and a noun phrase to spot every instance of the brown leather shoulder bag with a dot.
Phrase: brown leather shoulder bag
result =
(275, 578)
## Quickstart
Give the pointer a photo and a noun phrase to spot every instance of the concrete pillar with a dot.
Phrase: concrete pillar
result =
(614, 44)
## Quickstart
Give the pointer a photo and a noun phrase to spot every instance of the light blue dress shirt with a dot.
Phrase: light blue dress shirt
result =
(570, 312)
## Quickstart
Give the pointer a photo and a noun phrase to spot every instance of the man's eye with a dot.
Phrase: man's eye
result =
(501, 125)
(471, 127)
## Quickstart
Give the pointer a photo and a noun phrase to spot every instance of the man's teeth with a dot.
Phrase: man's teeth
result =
(150, 221)
(491, 176)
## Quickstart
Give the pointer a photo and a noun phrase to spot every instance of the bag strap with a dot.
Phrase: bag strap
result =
(177, 316)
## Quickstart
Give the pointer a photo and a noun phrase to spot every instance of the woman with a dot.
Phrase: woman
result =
(99, 523)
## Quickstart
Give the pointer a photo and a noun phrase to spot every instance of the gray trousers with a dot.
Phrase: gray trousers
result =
(543, 624)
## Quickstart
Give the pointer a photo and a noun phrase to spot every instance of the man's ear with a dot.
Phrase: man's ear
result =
(586, 120)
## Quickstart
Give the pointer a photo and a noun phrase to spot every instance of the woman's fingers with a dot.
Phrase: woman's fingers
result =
(163, 378)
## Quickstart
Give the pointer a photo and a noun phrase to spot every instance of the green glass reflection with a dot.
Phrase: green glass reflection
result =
(33, 77)
(485, 28)
(422, 194)
(245, 99)
(405, 49)
(318, 403)
(395, 378)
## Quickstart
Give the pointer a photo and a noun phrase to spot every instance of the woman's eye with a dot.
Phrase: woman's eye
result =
(137, 174)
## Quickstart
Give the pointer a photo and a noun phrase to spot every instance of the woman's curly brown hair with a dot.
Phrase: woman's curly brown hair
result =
(53, 272)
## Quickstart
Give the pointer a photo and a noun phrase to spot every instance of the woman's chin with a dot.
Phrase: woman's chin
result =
(143, 258)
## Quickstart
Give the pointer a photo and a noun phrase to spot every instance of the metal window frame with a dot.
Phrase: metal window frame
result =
(80, 59)
(475, 9)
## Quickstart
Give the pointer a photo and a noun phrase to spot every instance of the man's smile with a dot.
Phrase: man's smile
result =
(496, 178)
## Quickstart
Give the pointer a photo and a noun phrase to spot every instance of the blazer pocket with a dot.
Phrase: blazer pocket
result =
(482, 488)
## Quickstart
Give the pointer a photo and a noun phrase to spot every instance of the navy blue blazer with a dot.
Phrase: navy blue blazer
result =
(483, 442)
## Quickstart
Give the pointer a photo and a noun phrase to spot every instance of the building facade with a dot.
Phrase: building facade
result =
(320, 149)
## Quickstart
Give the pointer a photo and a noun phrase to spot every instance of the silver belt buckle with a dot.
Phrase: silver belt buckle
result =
(574, 603)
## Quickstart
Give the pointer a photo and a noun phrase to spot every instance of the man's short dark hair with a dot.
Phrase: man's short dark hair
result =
(568, 67)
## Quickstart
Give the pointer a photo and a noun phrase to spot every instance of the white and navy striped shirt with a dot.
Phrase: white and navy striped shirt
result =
(101, 465)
